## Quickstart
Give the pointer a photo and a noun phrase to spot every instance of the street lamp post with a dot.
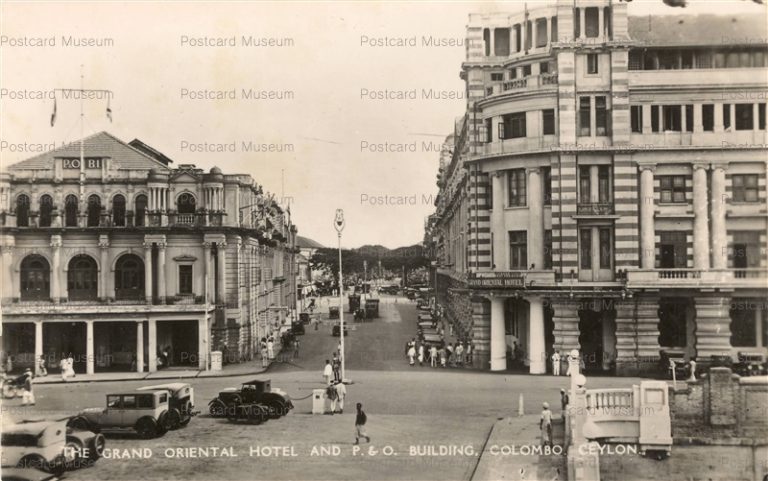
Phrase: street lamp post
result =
(339, 225)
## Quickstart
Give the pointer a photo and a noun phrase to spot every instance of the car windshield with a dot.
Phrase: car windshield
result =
(129, 402)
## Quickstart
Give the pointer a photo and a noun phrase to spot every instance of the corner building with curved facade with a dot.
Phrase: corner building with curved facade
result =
(607, 189)
(119, 257)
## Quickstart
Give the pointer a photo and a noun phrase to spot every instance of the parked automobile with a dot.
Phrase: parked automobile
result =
(181, 402)
(750, 364)
(336, 330)
(51, 446)
(304, 317)
(297, 328)
(144, 412)
(251, 398)
(27, 474)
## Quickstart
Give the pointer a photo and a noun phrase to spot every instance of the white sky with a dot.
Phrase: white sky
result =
(325, 70)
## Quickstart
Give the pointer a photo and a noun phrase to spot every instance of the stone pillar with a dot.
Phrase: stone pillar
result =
(139, 346)
(152, 347)
(148, 272)
(208, 274)
(221, 290)
(700, 220)
(566, 320)
(481, 332)
(582, 23)
(537, 349)
(626, 339)
(56, 294)
(600, 24)
(103, 291)
(161, 287)
(719, 117)
(499, 260)
(202, 345)
(89, 352)
(549, 31)
(718, 208)
(756, 117)
(647, 114)
(647, 229)
(10, 281)
(498, 335)
(534, 29)
(493, 41)
(535, 220)
(38, 345)
(713, 327)
(698, 125)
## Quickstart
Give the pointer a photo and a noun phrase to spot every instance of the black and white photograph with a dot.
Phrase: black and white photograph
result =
(384, 240)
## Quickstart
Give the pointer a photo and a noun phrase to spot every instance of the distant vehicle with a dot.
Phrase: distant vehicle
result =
(333, 312)
(181, 402)
(297, 328)
(50, 446)
(336, 330)
(253, 399)
(144, 412)
(304, 318)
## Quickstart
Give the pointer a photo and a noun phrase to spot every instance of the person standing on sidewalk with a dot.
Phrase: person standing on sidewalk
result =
(433, 356)
(264, 353)
(296, 348)
(556, 363)
(333, 396)
(341, 393)
(360, 421)
(411, 356)
(336, 368)
(327, 372)
(270, 348)
(421, 354)
(27, 396)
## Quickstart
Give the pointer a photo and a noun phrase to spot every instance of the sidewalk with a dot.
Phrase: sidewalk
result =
(230, 370)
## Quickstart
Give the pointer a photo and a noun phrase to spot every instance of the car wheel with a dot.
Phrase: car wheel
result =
(173, 419)
(97, 445)
(146, 428)
(216, 408)
(34, 461)
(73, 450)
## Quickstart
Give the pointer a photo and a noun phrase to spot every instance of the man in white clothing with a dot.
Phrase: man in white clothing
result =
(327, 372)
(556, 363)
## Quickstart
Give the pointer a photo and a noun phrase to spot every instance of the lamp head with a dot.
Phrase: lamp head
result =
(338, 223)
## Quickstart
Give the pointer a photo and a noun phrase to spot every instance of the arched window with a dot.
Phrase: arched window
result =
(82, 278)
(70, 211)
(22, 211)
(140, 210)
(129, 277)
(118, 210)
(46, 208)
(94, 210)
(35, 279)
(185, 203)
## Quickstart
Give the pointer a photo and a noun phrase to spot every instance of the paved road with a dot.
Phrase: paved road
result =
(409, 408)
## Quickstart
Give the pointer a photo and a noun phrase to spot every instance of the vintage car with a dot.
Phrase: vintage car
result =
(49, 445)
(257, 396)
(27, 474)
(181, 402)
(333, 312)
(144, 412)
(297, 328)
(304, 318)
(336, 330)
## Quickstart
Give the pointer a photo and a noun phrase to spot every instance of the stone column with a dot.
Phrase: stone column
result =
(221, 290)
(499, 259)
(38, 345)
(139, 346)
(719, 117)
(492, 40)
(161, 287)
(534, 29)
(647, 229)
(148, 272)
(498, 335)
(537, 349)
(647, 118)
(700, 220)
(756, 117)
(549, 31)
(103, 291)
(208, 274)
(56, 294)
(698, 125)
(152, 341)
(718, 208)
(202, 345)
(600, 24)
(535, 220)
(582, 23)
(10, 284)
(89, 353)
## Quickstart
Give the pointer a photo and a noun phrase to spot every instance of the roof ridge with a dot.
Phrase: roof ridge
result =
(135, 149)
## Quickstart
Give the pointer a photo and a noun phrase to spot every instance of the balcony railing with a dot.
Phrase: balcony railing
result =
(751, 273)
(595, 208)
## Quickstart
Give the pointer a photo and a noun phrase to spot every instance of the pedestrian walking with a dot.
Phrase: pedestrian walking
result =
(264, 353)
(412, 356)
(469, 353)
(460, 355)
(27, 396)
(41, 367)
(332, 395)
(296, 348)
(443, 356)
(327, 372)
(545, 425)
(360, 420)
(336, 368)
(421, 354)
(271, 348)
(341, 393)
(556, 363)
(433, 356)
(63, 368)
(563, 401)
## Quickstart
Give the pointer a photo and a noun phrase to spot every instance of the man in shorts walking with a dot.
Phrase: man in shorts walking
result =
(360, 421)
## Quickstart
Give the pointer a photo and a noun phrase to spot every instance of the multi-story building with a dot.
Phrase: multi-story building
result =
(111, 254)
(611, 196)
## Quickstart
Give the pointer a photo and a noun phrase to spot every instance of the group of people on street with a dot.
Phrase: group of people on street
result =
(67, 367)
(457, 354)
(267, 350)
(332, 370)
(557, 362)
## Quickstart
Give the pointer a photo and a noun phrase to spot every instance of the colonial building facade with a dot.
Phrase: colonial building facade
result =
(607, 189)
(112, 255)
